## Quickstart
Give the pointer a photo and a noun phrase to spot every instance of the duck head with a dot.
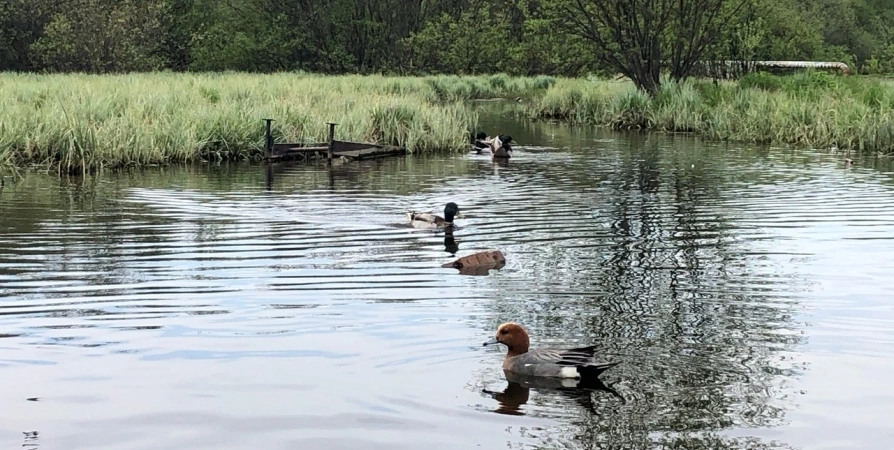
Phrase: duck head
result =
(513, 336)
(450, 211)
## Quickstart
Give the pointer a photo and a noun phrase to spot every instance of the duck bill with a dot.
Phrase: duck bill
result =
(492, 341)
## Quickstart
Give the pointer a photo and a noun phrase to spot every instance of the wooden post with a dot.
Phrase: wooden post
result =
(331, 142)
(268, 140)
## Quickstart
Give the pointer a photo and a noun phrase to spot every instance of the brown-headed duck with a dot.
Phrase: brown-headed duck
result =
(545, 362)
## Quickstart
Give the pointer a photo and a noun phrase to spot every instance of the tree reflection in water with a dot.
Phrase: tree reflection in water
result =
(664, 277)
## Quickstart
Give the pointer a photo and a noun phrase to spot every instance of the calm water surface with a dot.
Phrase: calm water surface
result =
(747, 292)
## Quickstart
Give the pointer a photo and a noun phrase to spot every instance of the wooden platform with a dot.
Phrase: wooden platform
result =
(357, 150)
(340, 149)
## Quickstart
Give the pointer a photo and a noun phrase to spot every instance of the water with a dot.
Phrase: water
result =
(745, 290)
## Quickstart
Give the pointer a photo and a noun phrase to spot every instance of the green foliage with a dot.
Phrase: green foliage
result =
(818, 84)
(464, 45)
(544, 82)
(100, 36)
(86, 122)
(456, 88)
(761, 80)
(514, 37)
(812, 109)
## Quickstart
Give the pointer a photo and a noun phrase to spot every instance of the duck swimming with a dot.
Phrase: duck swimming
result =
(501, 149)
(545, 362)
(481, 142)
(428, 220)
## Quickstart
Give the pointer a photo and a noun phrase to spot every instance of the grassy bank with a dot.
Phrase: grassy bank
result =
(809, 109)
(83, 122)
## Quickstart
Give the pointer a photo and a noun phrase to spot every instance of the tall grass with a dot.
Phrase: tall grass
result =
(85, 122)
(807, 109)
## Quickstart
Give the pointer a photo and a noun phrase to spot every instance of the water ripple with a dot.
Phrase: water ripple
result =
(718, 277)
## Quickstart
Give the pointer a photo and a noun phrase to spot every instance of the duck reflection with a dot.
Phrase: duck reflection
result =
(450, 245)
(518, 391)
(31, 439)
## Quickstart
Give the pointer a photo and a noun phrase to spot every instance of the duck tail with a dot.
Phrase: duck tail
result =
(594, 370)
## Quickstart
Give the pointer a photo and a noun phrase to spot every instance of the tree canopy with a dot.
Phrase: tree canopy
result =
(643, 39)
(518, 37)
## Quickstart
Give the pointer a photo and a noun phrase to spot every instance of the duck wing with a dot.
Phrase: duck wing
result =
(580, 356)
(424, 217)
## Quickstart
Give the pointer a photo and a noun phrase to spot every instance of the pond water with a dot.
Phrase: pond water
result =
(746, 292)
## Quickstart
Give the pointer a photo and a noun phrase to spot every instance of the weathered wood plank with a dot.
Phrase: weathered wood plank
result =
(350, 150)
(371, 153)
(287, 145)
(283, 153)
(280, 150)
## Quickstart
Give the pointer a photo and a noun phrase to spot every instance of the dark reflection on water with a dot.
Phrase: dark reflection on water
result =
(738, 287)
(518, 391)
(450, 244)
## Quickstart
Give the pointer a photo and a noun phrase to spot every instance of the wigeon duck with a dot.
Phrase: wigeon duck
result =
(545, 362)
(427, 220)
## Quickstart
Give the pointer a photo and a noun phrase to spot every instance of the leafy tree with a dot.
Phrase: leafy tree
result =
(22, 22)
(523, 37)
(642, 38)
(100, 36)
(467, 44)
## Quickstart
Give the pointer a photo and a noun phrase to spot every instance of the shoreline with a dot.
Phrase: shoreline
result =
(82, 123)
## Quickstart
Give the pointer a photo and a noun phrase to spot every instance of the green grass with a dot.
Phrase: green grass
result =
(808, 109)
(85, 122)
(78, 123)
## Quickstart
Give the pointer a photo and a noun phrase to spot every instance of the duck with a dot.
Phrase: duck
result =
(574, 363)
(480, 263)
(502, 149)
(481, 142)
(428, 220)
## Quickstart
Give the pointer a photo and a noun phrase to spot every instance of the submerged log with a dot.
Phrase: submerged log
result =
(479, 263)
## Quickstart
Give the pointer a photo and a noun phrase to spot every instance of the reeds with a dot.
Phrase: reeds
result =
(80, 123)
(85, 122)
(809, 109)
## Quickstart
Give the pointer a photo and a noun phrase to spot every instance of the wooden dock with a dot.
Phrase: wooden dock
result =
(334, 149)
(340, 149)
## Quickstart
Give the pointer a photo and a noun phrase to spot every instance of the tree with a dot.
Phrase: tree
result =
(643, 38)
(22, 22)
(100, 36)
(640, 38)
